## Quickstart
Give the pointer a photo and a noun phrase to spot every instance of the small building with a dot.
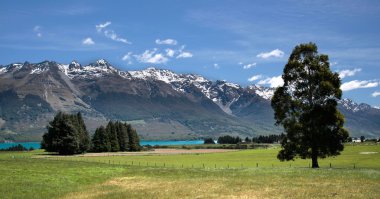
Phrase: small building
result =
(356, 140)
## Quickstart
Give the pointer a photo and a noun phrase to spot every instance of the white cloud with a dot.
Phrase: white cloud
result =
(128, 57)
(166, 42)
(150, 56)
(112, 35)
(170, 52)
(216, 66)
(356, 84)
(254, 78)
(100, 27)
(37, 30)
(375, 94)
(272, 81)
(240, 63)
(88, 41)
(248, 66)
(348, 73)
(273, 53)
(184, 55)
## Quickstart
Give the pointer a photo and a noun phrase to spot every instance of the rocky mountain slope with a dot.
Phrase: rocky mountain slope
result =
(160, 103)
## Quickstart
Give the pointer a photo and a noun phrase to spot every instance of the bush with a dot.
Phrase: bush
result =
(208, 141)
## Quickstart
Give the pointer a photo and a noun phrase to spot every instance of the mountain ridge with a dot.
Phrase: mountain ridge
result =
(152, 96)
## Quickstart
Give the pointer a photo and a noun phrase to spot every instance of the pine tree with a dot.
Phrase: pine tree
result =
(112, 135)
(134, 140)
(100, 141)
(122, 135)
(66, 135)
(83, 134)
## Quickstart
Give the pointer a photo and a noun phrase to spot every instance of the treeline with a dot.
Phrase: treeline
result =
(227, 139)
(116, 136)
(267, 138)
(17, 147)
(67, 135)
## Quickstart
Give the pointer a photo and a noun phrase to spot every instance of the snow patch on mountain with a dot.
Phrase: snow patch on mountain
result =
(353, 106)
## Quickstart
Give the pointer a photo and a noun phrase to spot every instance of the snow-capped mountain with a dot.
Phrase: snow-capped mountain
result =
(188, 105)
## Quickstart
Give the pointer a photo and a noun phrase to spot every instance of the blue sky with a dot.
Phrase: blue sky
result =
(244, 42)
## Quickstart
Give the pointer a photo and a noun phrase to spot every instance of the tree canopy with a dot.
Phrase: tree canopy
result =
(66, 135)
(306, 107)
(116, 136)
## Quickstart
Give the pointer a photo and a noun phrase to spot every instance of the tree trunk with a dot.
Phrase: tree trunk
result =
(314, 160)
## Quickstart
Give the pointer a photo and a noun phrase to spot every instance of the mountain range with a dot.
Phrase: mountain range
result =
(160, 104)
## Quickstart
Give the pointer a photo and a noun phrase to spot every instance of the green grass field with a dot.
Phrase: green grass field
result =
(236, 176)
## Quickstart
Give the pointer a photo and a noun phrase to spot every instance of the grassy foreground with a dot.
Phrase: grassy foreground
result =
(84, 177)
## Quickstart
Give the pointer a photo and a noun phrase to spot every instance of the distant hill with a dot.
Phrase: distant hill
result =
(160, 103)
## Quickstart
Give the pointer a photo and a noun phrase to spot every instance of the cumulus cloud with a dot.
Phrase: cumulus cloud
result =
(248, 66)
(272, 81)
(166, 42)
(375, 94)
(216, 66)
(100, 27)
(37, 30)
(273, 53)
(128, 57)
(356, 84)
(151, 56)
(112, 35)
(348, 73)
(184, 55)
(88, 41)
(255, 77)
(170, 52)
(157, 56)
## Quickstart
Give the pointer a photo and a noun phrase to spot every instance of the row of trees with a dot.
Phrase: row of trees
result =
(17, 147)
(67, 135)
(227, 139)
(116, 136)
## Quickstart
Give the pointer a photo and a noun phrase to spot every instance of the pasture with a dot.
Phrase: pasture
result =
(237, 174)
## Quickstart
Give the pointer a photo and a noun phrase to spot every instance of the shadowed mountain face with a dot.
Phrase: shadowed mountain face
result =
(159, 103)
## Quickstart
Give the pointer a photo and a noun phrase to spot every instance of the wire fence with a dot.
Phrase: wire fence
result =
(160, 164)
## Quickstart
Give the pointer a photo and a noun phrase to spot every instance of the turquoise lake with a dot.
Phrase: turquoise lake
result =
(36, 145)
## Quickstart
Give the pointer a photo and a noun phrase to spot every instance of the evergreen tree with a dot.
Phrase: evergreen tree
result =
(113, 136)
(134, 140)
(122, 135)
(66, 135)
(100, 141)
(83, 134)
(208, 141)
(306, 106)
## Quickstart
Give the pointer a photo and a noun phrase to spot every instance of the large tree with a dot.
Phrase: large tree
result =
(66, 135)
(306, 107)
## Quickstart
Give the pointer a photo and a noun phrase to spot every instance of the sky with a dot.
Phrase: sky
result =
(244, 42)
